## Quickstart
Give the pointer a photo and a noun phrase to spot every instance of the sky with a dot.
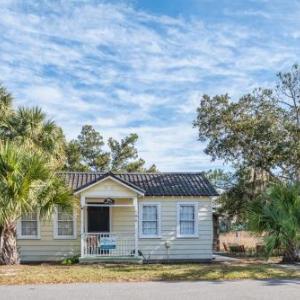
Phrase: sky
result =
(142, 65)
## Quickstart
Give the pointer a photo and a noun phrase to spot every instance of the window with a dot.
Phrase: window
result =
(28, 226)
(64, 224)
(187, 219)
(149, 220)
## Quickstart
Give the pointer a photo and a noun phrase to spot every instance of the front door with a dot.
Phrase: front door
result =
(98, 219)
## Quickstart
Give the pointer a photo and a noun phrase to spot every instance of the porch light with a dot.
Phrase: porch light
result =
(109, 201)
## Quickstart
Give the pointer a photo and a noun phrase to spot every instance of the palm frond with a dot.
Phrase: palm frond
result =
(276, 214)
(27, 183)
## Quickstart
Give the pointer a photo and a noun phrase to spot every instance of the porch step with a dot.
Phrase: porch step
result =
(111, 259)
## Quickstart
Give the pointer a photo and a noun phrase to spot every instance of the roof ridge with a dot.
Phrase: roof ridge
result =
(82, 172)
(175, 172)
(121, 173)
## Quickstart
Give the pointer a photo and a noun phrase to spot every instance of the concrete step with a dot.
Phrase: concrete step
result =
(111, 259)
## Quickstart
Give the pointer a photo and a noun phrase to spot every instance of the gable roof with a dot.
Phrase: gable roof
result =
(113, 177)
(150, 184)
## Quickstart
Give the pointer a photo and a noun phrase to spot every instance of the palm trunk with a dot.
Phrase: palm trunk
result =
(290, 255)
(8, 245)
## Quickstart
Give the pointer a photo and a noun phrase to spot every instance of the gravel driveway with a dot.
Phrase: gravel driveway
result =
(247, 289)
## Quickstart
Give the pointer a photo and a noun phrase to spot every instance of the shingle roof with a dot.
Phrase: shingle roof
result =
(151, 184)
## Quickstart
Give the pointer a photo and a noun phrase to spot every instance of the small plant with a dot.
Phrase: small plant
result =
(70, 260)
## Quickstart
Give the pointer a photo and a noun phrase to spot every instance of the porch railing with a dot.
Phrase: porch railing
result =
(108, 244)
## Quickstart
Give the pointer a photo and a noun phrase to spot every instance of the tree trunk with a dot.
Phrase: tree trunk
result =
(8, 245)
(298, 174)
(290, 255)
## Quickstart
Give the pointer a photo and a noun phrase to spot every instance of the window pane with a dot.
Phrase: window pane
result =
(187, 218)
(29, 224)
(150, 213)
(29, 228)
(65, 224)
(65, 228)
(187, 212)
(150, 228)
(150, 220)
(187, 227)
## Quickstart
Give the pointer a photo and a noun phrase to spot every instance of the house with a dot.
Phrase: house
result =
(126, 217)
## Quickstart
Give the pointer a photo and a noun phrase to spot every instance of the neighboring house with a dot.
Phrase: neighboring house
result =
(126, 217)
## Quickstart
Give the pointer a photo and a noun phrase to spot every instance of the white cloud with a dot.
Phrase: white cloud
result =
(248, 13)
(125, 70)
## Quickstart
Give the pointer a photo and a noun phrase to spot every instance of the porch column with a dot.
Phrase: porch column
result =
(82, 206)
(136, 227)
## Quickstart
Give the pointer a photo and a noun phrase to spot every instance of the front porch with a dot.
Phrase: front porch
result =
(109, 247)
(109, 229)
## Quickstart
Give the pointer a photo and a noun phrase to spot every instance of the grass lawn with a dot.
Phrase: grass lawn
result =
(55, 273)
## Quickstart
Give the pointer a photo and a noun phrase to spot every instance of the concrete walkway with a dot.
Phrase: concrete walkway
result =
(224, 258)
(233, 290)
(295, 267)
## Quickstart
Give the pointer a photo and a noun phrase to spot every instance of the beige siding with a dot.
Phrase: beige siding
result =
(180, 248)
(109, 188)
(122, 220)
(47, 248)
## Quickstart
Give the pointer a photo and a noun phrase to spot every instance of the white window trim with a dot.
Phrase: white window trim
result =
(29, 237)
(55, 227)
(146, 236)
(196, 221)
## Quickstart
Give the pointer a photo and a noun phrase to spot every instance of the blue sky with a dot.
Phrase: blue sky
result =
(142, 65)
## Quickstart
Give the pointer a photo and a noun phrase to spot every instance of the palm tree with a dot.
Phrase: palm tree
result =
(27, 184)
(276, 215)
(5, 109)
(31, 126)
